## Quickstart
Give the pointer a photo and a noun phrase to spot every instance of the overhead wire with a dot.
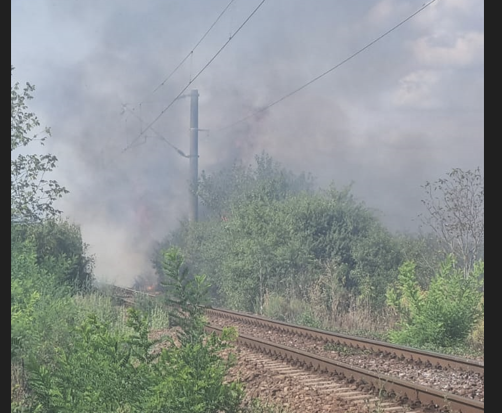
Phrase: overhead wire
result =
(196, 76)
(190, 54)
(327, 71)
(159, 135)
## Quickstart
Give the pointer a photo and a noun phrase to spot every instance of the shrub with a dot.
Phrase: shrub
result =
(442, 316)
(60, 251)
(105, 369)
(97, 374)
(477, 336)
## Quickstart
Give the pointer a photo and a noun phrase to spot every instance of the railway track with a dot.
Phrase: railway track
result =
(388, 349)
(303, 389)
(404, 391)
(425, 397)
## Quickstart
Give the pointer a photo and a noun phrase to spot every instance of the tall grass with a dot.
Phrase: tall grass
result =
(102, 304)
(346, 314)
(325, 304)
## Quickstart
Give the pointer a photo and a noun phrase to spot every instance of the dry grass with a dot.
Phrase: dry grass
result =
(477, 337)
(343, 314)
(17, 383)
(325, 304)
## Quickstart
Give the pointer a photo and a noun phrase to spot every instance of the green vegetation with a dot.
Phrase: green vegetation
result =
(277, 235)
(111, 371)
(72, 349)
(59, 249)
(272, 244)
(80, 353)
(269, 242)
(445, 314)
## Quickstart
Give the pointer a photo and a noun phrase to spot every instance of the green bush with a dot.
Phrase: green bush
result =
(283, 308)
(281, 243)
(60, 251)
(30, 287)
(193, 379)
(111, 371)
(445, 314)
(96, 374)
(307, 319)
(25, 279)
(108, 310)
(108, 369)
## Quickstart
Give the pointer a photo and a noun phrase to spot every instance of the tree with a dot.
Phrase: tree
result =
(266, 181)
(455, 213)
(278, 239)
(32, 195)
(60, 251)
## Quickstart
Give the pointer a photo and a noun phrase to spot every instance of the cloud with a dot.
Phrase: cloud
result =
(417, 90)
(385, 11)
(448, 50)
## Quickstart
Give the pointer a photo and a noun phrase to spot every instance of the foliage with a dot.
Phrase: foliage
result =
(194, 378)
(455, 214)
(60, 251)
(154, 309)
(200, 384)
(42, 314)
(35, 296)
(283, 308)
(32, 195)
(424, 251)
(107, 370)
(80, 359)
(442, 316)
(200, 250)
(97, 374)
(94, 365)
(185, 295)
(277, 237)
(239, 184)
(261, 249)
(477, 337)
(25, 278)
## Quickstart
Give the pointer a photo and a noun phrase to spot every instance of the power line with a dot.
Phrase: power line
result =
(327, 71)
(191, 51)
(197, 75)
(159, 135)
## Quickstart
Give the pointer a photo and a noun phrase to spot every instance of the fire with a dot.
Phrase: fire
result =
(150, 288)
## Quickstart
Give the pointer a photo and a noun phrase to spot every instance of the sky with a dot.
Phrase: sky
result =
(403, 111)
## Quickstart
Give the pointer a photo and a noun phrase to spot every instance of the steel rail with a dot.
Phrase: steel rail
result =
(403, 352)
(393, 386)
(408, 353)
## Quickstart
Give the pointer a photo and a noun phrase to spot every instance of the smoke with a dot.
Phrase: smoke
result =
(403, 112)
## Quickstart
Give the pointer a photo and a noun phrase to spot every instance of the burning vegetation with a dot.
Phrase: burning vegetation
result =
(147, 282)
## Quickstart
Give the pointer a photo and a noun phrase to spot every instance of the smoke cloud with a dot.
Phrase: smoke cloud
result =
(404, 111)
